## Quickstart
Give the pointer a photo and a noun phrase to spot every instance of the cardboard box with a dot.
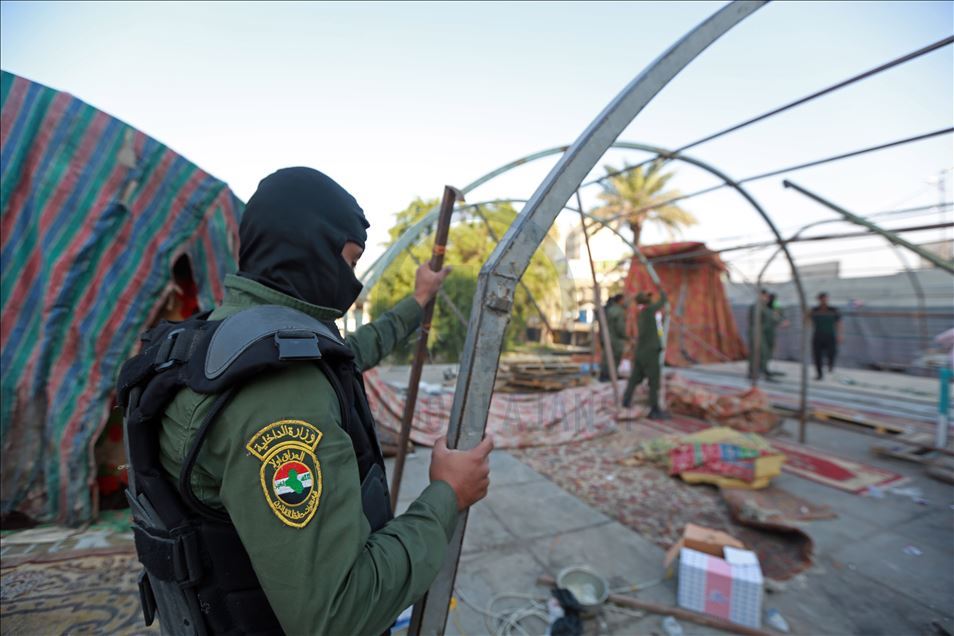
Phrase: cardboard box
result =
(730, 588)
(701, 539)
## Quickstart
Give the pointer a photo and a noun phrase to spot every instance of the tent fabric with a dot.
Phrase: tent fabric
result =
(702, 327)
(93, 214)
(515, 420)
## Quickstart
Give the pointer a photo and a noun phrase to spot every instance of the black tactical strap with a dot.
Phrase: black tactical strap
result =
(169, 557)
(185, 475)
(339, 393)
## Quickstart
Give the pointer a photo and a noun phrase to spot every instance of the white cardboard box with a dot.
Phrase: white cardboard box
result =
(729, 588)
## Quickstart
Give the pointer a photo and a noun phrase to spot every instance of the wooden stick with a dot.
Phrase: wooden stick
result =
(678, 612)
(437, 262)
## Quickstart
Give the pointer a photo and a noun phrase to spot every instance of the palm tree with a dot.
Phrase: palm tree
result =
(639, 196)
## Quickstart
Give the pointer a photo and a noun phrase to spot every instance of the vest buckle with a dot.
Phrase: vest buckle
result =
(164, 357)
(297, 345)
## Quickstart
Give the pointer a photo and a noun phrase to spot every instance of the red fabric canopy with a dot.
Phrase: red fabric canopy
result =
(702, 329)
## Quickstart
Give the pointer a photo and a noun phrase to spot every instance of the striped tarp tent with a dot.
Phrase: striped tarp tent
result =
(702, 328)
(94, 214)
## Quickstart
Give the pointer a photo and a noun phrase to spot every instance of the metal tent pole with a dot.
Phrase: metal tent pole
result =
(499, 276)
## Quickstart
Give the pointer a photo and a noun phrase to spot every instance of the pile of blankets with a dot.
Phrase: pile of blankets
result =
(720, 456)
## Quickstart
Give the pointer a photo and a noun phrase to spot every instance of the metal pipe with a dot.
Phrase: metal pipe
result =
(891, 236)
(801, 166)
(410, 402)
(523, 285)
(755, 360)
(498, 277)
(800, 239)
(600, 310)
(918, 290)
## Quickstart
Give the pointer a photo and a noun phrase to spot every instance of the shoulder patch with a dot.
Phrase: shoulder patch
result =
(291, 474)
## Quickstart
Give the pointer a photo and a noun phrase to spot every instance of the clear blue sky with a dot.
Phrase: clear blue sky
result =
(395, 99)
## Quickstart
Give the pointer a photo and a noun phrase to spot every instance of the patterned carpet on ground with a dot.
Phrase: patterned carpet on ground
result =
(56, 580)
(807, 462)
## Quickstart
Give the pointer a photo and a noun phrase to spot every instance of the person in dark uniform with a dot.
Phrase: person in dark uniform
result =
(826, 334)
(776, 320)
(646, 355)
(283, 462)
(616, 324)
(766, 336)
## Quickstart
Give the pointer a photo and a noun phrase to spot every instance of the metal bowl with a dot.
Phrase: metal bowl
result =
(589, 588)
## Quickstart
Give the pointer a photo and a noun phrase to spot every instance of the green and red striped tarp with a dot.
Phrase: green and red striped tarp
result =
(93, 214)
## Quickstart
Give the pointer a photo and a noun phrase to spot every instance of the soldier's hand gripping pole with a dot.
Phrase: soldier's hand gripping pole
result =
(451, 195)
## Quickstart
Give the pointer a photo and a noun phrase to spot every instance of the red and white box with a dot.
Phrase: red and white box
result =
(730, 588)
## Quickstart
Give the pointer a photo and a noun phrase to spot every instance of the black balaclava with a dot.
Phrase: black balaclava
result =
(292, 233)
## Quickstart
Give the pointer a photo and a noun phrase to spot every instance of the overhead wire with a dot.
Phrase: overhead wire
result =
(778, 171)
(798, 102)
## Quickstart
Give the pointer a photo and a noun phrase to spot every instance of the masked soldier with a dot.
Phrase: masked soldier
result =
(646, 355)
(258, 490)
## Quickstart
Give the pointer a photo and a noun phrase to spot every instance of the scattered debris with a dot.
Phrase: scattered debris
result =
(539, 374)
(912, 493)
(672, 627)
(748, 411)
(874, 492)
(772, 506)
(942, 469)
(564, 611)
(774, 618)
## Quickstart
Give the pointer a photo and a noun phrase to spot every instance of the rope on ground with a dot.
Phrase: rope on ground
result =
(508, 623)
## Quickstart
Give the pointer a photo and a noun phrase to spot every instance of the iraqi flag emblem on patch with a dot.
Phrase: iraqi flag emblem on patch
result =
(290, 471)
(292, 483)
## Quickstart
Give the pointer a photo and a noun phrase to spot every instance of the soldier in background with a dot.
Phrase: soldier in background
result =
(826, 334)
(646, 356)
(616, 325)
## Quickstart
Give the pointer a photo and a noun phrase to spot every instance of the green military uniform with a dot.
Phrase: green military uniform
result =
(776, 317)
(646, 355)
(766, 339)
(616, 323)
(321, 568)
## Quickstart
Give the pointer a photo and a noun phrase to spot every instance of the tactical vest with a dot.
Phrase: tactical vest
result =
(197, 574)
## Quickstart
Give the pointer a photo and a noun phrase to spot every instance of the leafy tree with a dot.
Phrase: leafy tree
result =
(468, 246)
(638, 197)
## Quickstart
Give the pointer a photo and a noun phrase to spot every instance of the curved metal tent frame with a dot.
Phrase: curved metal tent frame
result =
(498, 277)
(413, 234)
